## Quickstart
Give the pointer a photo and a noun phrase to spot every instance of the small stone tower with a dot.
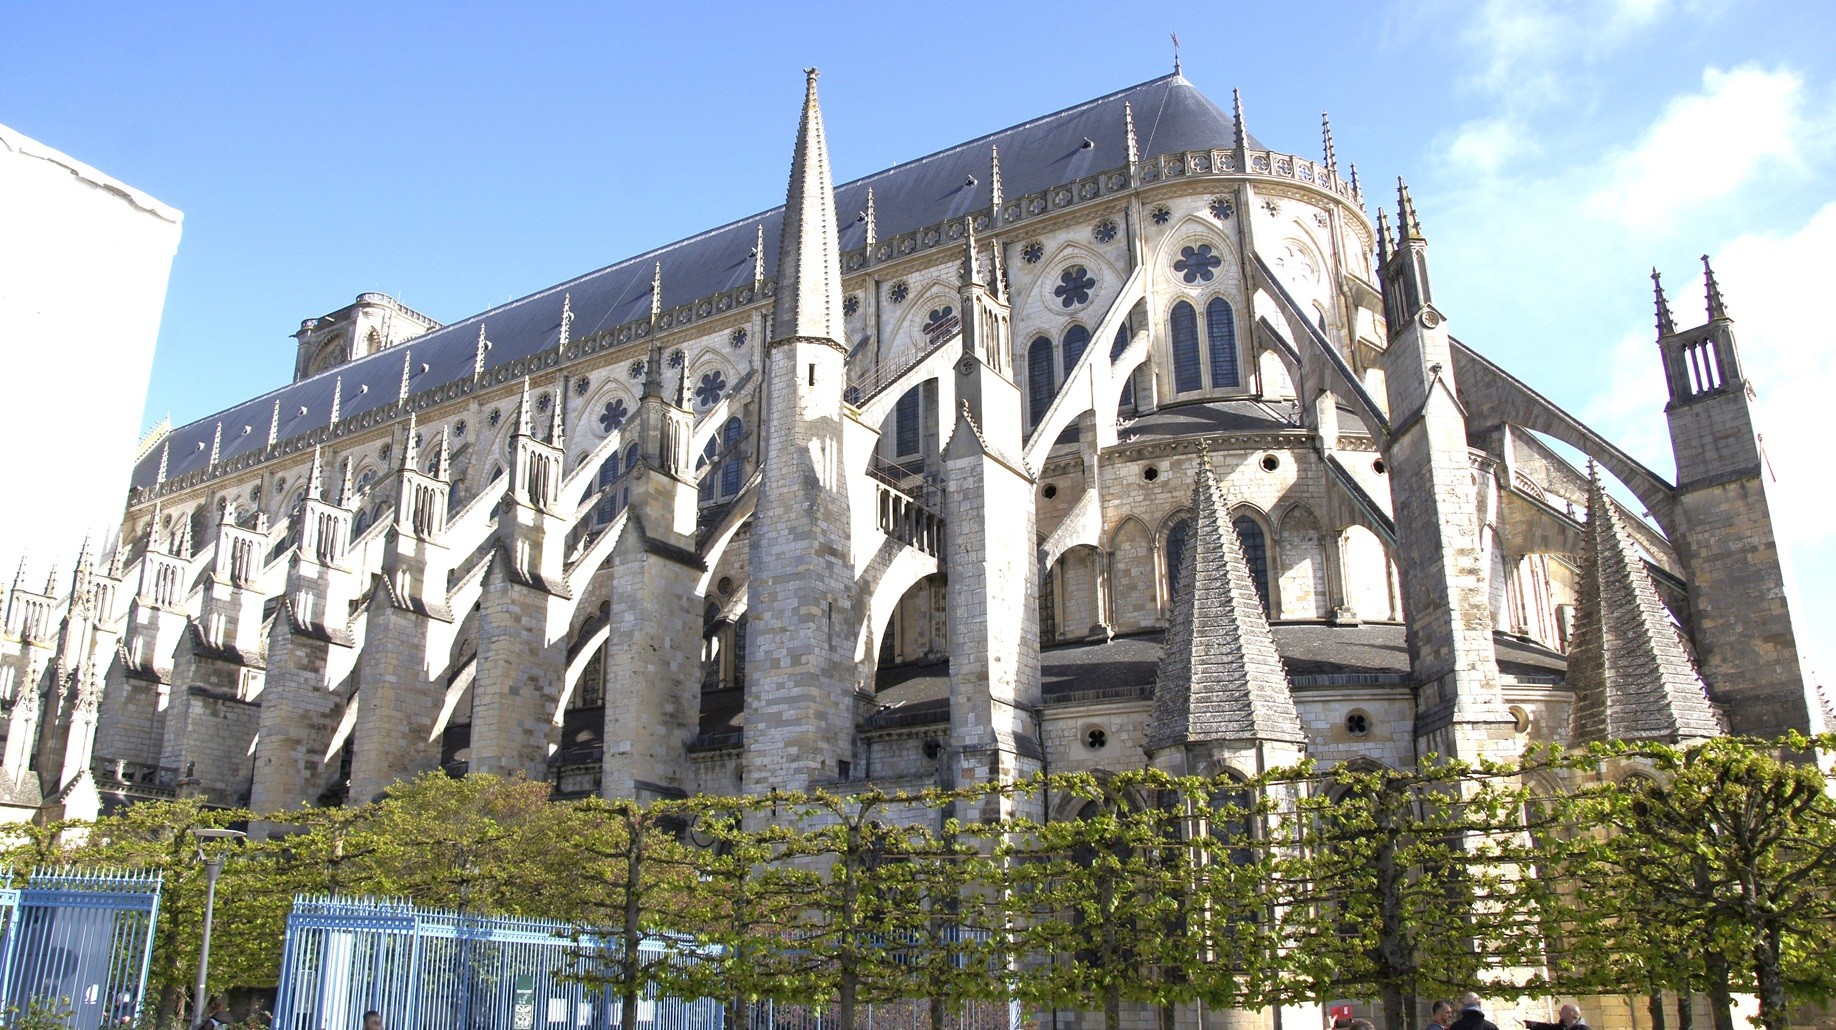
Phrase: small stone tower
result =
(800, 711)
(1433, 484)
(1741, 621)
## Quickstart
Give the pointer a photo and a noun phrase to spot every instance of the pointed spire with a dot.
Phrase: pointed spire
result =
(479, 355)
(1632, 677)
(315, 476)
(274, 424)
(523, 408)
(656, 295)
(407, 373)
(557, 426)
(972, 268)
(682, 402)
(51, 582)
(216, 444)
(165, 457)
(567, 321)
(347, 489)
(1239, 135)
(809, 263)
(1332, 159)
(1128, 125)
(758, 256)
(443, 464)
(1220, 677)
(1665, 324)
(411, 447)
(337, 400)
(1716, 310)
(653, 369)
(873, 227)
(997, 275)
(996, 193)
(1408, 227)
(1383, 236)
(1357, 190)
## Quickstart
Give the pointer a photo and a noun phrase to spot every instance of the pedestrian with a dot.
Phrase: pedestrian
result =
(372, 1020)
(216, 1014)
(1472, 1015)
(1568, 1017)
(1440, 1015)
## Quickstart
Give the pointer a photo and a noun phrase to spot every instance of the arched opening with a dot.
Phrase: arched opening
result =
(1221, 339)
(1041, 386)
(1255, 544)
(1187, 374)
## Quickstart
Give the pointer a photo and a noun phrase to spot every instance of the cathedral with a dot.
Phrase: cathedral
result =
(1114, 438)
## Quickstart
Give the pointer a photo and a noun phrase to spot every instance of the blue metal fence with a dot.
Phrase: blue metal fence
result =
(439, 970)
(80, 940)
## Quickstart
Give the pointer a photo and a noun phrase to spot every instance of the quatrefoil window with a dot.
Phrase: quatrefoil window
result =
(941, 324)
(1074, 286)
(1197, 263)
(738, 339)
(614, 415)
(635, 370)
(1032, 252)
(710, 389)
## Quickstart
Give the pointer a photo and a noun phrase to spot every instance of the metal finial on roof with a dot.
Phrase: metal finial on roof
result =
(407, 373)
(996, 194)
(165, 456)
(1716, 309)
(347, 490)
(1239, 135)
(1175, 36)
(1332, 159)
(411, 448)
(1383, 236)
(315, 476)
(216, 444)
(873, 228)
(1665, 324)
(443, 464)
(1408, 227)
(656, 294)
(567, 321)
(274, 424)
(337, 400)
(1128, 126)
(522, 411)
(758, 259)
(972, 269)
(808, 304)
(478, 356)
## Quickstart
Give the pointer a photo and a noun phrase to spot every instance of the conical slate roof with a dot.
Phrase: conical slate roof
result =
(1631, 676)
(1220, 677)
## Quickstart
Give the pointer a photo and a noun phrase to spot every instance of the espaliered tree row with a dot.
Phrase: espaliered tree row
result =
(1628, 869)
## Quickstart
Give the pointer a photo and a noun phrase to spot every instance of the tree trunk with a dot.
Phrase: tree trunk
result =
(850, 983)
(937, 1012)
(1768, 970)
(1721, 997)
(1112, 1008)
(1654, 1004)
(1393, 1007)
(1686, 1009)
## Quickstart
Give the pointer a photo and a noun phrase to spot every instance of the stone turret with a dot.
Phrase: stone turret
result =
(1631, 676)
(802, 605)
(1221, 693)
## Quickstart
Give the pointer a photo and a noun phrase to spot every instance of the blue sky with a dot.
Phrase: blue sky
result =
(459, 155)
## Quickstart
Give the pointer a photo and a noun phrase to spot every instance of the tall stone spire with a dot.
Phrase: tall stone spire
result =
(1408, 227)
(315, 477)
(1631, 676)
(1239, 135)
(1128, 125)
(873, 226)
(557, 427)
(972, 269)
(1666, 325)
(1357, 190)
(337, 407)
(1716, 309)
(407, 373)
(567, 321)
(411, 447)
(758, 258)
(656, 295)
(347, 488)
(1332, 158)
(1383, 236)
(478, 355)
(809, 260)
(1220, 677)
(216, 444)
(443, 467)
(165, 459)
(523, 424)
(274, 424)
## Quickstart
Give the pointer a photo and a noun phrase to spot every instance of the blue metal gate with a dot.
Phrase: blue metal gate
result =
(80, 941)
(438, 970)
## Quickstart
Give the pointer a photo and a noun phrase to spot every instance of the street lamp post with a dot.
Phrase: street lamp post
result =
(213, 865)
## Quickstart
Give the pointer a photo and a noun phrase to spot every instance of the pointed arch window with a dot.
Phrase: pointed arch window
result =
(1186, 369)
(730, 435)
(1127, 399)
(1179, 536)
(907, 430)
(1040, 384)
(1221, 338)
(608, 507)
(1077, 338)
(1255, 555)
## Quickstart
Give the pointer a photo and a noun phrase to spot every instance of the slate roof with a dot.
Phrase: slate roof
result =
(1214, 416)
(1170, 115)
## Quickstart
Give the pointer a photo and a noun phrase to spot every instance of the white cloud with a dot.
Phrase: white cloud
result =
(1486, 145)
(1519, 43)
(1705, 147)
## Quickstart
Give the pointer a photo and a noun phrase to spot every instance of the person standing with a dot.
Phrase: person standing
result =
(1472, 1015)
(1440, 1015)
(1568, 1017)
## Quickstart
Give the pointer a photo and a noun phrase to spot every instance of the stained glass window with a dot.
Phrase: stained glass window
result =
(1076, 339)
(906, 429)
(1040, 386)
(1186, 375)
(1221, 338)
(729, 444)
(1177, 538)
(1255, 554)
